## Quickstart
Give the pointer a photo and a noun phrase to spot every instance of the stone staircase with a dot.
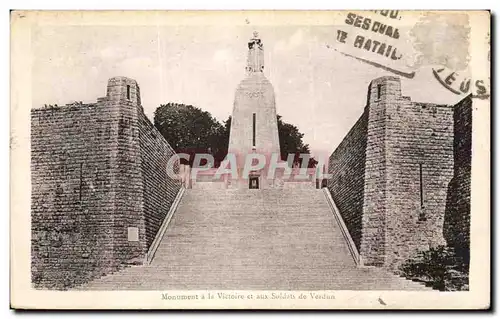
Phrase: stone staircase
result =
(253, 239)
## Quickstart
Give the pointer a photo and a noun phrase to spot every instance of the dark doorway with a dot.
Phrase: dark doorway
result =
(253, 182)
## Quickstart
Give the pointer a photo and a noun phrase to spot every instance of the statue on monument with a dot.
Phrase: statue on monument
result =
(255, 40)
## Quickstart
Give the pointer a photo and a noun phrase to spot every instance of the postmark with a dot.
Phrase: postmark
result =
(446, 42)
(459, 84)
(406, 44)
(374, 37)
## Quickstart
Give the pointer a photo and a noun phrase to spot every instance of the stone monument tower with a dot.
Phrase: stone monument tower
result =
(254, 127)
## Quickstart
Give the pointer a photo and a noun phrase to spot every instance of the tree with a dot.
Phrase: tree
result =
(190, 130)
(291, 143)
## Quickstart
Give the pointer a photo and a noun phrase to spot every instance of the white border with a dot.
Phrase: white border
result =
(186, 4)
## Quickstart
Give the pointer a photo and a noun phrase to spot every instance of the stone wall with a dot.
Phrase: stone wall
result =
(128, 185)
(159, 189)
(347, 167)
(457, 216)
(72, 186)
(92, 208)
(419, 157)
(408, 164)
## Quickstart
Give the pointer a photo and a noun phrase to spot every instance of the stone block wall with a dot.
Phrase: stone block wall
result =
(457, 216)
(159, 189)
(72, 194)
(419, 157)
(380, 92)
(90, 196)
(408, 164)
(347, 167)
(128, 201)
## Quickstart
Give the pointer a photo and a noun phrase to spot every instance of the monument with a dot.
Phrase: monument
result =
(254, 126)
(254, 157)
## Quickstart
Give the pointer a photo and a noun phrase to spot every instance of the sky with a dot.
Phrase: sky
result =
(317, 89)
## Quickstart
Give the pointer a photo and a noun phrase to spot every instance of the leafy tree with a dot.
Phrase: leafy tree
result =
(191, 130)
(291, 143)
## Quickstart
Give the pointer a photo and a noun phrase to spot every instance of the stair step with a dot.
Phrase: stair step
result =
(253, 239)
